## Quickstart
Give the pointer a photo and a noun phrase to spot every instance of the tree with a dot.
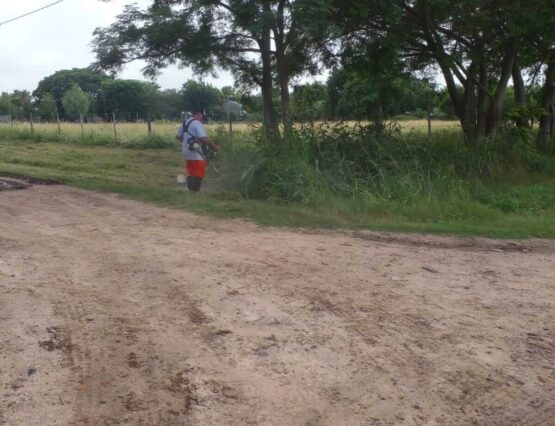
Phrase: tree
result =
(6, 105)
(309, 101)
(47, 107)
(260, 42)
(547, 120)
(361, 93)
(168, 104)
(229, 93)
(75, 102)
(61, 81)
(474, 44)
(198, 95)
(128, 97)
(18, 104)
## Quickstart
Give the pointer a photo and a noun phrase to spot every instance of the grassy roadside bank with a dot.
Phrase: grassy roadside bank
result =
(149, 175)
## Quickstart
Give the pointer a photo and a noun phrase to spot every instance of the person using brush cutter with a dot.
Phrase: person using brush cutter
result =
(196, 149)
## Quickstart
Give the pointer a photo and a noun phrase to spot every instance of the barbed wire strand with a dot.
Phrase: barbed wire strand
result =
(30, 13)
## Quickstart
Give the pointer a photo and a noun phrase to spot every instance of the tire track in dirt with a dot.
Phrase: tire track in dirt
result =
(170, 318)
(99, 398)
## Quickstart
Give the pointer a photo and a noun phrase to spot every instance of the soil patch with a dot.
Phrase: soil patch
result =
(157, 316)
(14, 182)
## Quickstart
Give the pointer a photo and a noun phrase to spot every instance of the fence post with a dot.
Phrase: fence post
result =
(114, 124)
(31, 121)
(58, 123)
(149, 124)
(553, 119)
(81, 121)
(227, 106)
(429, 116)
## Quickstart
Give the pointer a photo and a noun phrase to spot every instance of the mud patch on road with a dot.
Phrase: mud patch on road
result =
(181, 385)
(12, 183)
(133, 360)
(197, 316)
(58, 341)
(132, 403)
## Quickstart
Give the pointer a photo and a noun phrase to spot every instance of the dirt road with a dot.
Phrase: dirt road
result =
(117, 312)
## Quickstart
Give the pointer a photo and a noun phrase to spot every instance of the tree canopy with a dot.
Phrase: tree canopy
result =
(75, 102)
(201, 96)
(61, 81)
(475, 45)
(263, 43)
(47, 108)
(128, 98)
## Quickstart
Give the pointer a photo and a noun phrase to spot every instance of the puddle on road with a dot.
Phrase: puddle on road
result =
(15, 183)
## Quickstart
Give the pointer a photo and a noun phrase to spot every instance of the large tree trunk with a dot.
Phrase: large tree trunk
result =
(482, 97)
(520, 94)
(470, 119)
(270, 120)
(283, 77)
(378, 115)
(496, 107)
(548, 97)
(282, 65)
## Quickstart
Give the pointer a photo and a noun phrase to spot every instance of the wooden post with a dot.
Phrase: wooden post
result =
(429, 122)
(58, 123)
(31, 121)
(149, 125)
(81, 121)
(553, 119)
(114, 124)
(229, 120)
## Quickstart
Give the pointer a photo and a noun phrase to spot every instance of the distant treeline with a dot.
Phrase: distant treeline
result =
(345, 96)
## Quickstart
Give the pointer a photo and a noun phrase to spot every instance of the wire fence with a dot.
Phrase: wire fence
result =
(98, 130)
(145, 132)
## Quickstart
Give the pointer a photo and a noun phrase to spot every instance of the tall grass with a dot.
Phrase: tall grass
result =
(436, 177)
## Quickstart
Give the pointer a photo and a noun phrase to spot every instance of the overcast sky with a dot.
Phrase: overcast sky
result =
(59, 38)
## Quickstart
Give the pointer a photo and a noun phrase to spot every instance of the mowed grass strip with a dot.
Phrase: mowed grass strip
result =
(149, 175)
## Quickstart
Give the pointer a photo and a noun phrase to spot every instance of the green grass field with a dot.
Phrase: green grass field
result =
(519, 207)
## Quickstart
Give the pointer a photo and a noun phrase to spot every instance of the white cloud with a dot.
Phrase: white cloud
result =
(59, 38)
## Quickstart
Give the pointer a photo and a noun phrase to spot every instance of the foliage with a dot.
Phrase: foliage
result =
(344, 160)
(6, 104)
(353, 94)
(168, 104)
(61, 81)
(256, 41)
(201, 96)
(47, 107)
(230, 93)
(309, 102)
(128, 97)
(17, 104)
(476, 45)
(75, 102)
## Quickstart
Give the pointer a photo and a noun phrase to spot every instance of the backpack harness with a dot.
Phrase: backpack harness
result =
(193, 143)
